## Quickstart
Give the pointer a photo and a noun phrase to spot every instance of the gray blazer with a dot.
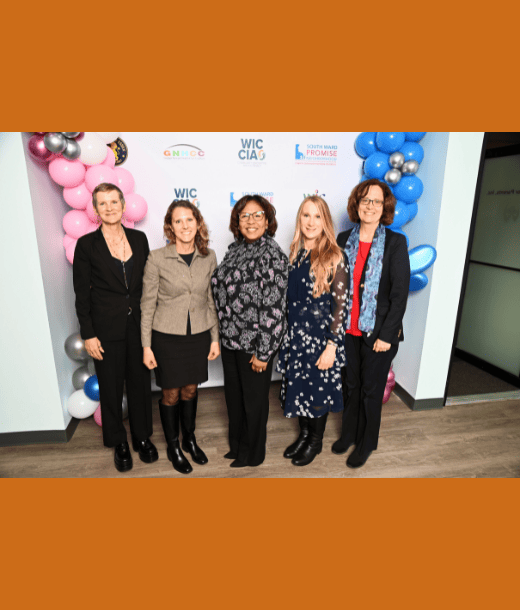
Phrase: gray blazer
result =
(171, 289)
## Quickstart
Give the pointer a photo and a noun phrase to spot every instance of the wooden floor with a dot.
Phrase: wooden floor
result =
(480, 440)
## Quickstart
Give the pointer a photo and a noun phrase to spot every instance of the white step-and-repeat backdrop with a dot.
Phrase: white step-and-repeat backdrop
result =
(214, 170)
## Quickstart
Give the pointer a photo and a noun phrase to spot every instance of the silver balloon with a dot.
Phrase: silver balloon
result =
(55, 142)
(410, 167)
(396, 159)
(75, 347)
(72, 150)
(80, 376)
(70, 134)
(392, 176)
(91, 367)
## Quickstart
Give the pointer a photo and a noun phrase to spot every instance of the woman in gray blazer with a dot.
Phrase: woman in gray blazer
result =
(179, 325)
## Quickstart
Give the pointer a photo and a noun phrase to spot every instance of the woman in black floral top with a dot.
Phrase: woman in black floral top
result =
(250, 288)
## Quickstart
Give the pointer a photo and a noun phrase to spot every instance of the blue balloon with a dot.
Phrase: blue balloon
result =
(389, 141)
(364, 177)
(422, 258)
(418, 282)
(365, 144)
(412, 150)
(377, 165)
(414, 136)
(413, 208)
(400, 231)
(91, 388)
(401, 215)
(409, 189)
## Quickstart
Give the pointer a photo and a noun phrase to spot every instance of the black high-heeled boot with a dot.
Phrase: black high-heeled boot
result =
(170, 416)
(314, 444)
(188, 415)
(293, 449)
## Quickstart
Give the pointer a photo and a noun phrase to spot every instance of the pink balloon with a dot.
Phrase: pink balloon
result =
(76, 224)
(67, 173)
(38, 150)
(125, 180)
(78, 197)
(110, 161)
(136, 207)
(97, 415)
(97, 174)
(129, 224)
(92, 216)
(69, 251)
(67, 240)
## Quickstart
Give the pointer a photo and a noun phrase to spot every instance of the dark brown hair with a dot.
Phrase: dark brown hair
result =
(361, 190)
(106, 187)
(268, 208)
(202, 236)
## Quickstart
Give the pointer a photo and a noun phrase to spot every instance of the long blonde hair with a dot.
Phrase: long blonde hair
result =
(326, 255)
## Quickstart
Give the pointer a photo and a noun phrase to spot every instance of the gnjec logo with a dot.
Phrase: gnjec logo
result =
(184, 151)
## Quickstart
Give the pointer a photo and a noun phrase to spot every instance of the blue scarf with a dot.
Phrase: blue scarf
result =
(374, 267)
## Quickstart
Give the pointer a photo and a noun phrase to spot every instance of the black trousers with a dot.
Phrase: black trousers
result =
(247, 400)
(364, 382)
(123, 361)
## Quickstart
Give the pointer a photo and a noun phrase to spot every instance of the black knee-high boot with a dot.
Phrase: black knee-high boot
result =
(189, 443)
(170, 415)
(314, 444)
(293, 449)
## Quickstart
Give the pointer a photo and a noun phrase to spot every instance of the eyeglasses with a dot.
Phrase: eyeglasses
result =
(256, 216)
(366, 201)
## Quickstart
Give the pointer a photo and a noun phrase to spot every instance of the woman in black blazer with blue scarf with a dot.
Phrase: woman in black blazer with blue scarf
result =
(379, 286)
(108, 281)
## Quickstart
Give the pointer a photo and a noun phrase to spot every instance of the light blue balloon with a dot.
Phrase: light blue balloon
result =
(409, 189)
(418, 282)
(365, 144)
(91, 388)
(414, 136)
(401, 215)
(422, 258)
(412, 150)
(389, 141)
(401, 232)
(377, 165)
(413, 208)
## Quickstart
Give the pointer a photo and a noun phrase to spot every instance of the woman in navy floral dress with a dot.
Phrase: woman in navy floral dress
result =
(313, 351)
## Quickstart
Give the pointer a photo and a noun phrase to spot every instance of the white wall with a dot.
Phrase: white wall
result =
(424, 358)
(30, 396)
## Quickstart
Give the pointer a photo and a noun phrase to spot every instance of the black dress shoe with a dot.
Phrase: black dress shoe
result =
(231, 455)
(339, 448)
(356, 459)
(147, 450)
(238, 464)
(123, 457)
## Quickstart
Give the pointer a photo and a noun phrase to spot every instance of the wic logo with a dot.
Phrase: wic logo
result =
(187, 194)
(252, 150)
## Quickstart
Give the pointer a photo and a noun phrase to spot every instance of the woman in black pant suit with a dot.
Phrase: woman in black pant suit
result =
(379, 286)
(108, 280)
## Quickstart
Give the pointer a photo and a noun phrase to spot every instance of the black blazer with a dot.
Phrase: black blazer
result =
(102, 300)
(393, 288)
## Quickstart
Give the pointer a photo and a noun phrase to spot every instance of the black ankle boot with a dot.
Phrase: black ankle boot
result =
(170, 416)
(188, 415)
(293, 449)
(122, 457)
(314, 444)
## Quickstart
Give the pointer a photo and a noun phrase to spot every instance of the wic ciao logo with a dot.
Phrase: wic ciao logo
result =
(252, 151)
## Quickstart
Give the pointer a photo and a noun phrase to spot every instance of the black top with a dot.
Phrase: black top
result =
(187, 257)
(126, 269)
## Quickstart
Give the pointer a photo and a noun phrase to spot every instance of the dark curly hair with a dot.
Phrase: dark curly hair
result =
(361, 190)
(202, 236)
(268, 208)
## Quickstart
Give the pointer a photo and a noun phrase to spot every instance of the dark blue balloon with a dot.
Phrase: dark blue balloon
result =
(409, 189)
(364, 177)
(365, 144)
(422, 258)
(413, 208)
(401, 215)
(412, 150)
(389, 141)
(414, 136)
(377, 165)
(403, 233)
(418, 282)
(91, 388)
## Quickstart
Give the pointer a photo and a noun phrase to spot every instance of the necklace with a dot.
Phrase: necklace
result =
(124, 252)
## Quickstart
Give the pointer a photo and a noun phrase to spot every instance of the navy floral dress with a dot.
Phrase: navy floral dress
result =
(306, 390)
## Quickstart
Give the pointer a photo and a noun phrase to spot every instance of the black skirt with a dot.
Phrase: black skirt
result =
(181, 359)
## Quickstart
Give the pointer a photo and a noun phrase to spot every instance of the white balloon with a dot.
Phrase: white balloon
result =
(108, 136)
(93, 149)
(80, 406)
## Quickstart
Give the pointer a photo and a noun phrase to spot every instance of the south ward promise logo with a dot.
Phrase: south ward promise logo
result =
(316, 154)
(184, 151)
(187, 194)
(252, 150)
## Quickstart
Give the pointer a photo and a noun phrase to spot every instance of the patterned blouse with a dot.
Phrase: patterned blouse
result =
(250, 288)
